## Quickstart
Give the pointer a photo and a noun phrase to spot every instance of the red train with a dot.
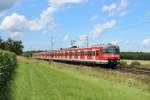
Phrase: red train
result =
(102, 54)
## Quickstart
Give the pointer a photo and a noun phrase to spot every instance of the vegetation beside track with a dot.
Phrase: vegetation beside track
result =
(41, 80)
(135, 63)
(136, 55)
(143, 62)
(7, 66)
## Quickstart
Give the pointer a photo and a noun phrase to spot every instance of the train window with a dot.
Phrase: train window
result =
(76, 54)
(70, 53)
(65, 54)
(89, 53)
(93, 54)
(111, 51)
(85, 53)
(82, 53)
(79, 53)
(97, 53)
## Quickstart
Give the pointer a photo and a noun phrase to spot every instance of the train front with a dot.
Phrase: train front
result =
(111, 54)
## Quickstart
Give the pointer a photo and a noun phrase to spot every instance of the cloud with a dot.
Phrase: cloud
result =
(16, 35)
(66, 37)
(44, 21)
(123, 4)
(147, 14)
(16, 23)
(115, 8)
(62, 2)
(146, 42)
(114, 42)
(100, 28)
(83, 37)
(123, 13)
(109, 8)
(6, 4)
(93, 18)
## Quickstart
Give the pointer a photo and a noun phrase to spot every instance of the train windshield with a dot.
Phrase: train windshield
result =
(111, 51)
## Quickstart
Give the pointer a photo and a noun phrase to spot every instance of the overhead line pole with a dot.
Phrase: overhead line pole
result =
(87, 40)
(51, 42)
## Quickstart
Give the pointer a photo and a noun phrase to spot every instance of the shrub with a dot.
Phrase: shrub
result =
(123, 63)
(7, 65)
(135, 63)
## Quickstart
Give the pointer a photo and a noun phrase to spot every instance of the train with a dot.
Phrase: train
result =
(108, 55)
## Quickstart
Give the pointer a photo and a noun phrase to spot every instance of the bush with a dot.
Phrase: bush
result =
(7, 65)
(123, 63)
(135, 63)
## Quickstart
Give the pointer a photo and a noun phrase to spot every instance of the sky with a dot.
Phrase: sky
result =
(121, 22)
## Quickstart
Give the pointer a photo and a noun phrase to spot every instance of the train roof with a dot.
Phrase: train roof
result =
(104, 46)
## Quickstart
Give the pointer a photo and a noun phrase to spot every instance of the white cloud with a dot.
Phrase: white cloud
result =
(62, 2)
(83, 37)
(16, 23)
(100, 28)
(147, 14)
(66, 37)
(93, 18)
(146, 42)
(109, 8)
(123, 13)
(127, 42)
(123, 4)
(115, 8)
(44, 21)
(114, 42)
(16, 35)
(6, 4)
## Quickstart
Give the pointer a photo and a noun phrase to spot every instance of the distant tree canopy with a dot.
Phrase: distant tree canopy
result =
(136, 55)
(29, 53)
(12, 45)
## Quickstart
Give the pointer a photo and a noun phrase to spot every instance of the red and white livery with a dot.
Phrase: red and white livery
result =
(102, 54)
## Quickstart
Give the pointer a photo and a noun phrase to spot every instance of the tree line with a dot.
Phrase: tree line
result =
(12, 45)
(136, 55)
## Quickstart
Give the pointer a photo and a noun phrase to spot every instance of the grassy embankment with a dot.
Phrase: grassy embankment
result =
(39, 80)
(142, 63)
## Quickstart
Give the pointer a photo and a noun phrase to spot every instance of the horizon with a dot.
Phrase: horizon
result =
(120, 22)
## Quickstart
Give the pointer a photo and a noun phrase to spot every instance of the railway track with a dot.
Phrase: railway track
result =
(135, 70)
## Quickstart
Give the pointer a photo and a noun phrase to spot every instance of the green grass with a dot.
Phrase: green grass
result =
(38, 80)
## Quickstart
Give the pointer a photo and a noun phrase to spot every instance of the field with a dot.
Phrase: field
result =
(141, 61)
(41, 80)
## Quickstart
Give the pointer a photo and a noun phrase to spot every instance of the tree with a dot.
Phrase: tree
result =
(12, 45)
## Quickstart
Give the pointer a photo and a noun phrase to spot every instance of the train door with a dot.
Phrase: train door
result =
(94, 53)
(76, 54)
(81, 54)
(89, 54)
(70, 54)
(85, 54)
(98, 53)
